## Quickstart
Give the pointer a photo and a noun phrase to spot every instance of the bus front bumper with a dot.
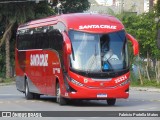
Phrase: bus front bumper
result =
(98, 93)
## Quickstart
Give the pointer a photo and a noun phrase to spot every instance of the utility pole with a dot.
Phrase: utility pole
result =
(122, 2)
(151, 5)
(120, 6)
(59, 5)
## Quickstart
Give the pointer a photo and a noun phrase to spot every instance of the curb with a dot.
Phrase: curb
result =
(149, 89)
(5, 84)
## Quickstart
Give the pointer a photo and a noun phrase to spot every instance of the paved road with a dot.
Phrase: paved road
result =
(13, 100)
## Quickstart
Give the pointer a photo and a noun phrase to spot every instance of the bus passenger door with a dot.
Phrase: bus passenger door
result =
(49, 76)
(35, 71)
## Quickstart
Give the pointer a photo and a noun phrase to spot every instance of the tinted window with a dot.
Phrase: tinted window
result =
(40, 40)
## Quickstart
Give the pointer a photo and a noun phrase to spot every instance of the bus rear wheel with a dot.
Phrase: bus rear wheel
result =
(28, 94)
(111, 102)
(59, 98)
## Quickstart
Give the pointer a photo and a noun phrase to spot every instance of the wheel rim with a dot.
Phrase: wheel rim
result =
(26, 92)
(58, 93)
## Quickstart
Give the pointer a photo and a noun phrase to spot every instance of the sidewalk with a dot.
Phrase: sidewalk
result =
(149, 89)
(10, 83)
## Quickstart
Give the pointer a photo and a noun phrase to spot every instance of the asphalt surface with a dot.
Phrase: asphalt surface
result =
(141, 99)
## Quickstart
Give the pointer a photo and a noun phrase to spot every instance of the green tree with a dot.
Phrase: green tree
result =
(157, 8)
(14, 14)
(18, 13)
(74, 6)
(143, 28)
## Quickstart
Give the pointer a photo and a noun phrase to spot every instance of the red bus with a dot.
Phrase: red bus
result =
(74, 56)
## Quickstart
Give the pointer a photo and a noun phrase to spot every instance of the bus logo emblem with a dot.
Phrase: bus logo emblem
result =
(85, 80)
(101, 84)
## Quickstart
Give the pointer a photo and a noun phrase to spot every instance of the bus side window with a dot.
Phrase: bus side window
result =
(58, 40)
(38, 38)
(23, 42)
(45, 40)
(19, 37)
(55, 42)
(31, 41)
(50, 36)
(37, 41)
(20, 42)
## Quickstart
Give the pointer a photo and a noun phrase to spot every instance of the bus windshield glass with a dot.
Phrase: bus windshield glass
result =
(98, 52)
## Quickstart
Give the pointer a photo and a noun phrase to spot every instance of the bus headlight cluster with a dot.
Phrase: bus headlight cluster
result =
(125, 82)
(76, 82)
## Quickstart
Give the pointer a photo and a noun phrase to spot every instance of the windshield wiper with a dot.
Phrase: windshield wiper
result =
(72, 53)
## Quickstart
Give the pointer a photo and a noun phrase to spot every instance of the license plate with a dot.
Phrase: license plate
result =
(101, 95)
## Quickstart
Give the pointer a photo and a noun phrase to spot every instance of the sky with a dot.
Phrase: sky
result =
(102, 1)
(110, 1)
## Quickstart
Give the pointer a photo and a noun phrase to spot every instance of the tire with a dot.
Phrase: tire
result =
(28, 94)
(36, 96)
(59, 98)
(111, 102)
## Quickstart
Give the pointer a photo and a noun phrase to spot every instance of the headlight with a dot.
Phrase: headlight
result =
(76, 82)
(125, 82)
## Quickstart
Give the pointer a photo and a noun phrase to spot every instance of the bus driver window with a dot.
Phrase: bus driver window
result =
(106, 52)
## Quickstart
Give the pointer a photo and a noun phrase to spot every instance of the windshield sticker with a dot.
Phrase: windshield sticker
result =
(105, 66)
(81, 27)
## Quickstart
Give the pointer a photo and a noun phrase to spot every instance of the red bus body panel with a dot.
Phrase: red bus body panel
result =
(42, 67)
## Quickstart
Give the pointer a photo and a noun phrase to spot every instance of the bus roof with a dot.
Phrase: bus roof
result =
(88, 22)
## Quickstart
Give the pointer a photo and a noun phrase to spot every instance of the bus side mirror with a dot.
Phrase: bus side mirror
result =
(158, 39)
(67, 43)
(134, 43)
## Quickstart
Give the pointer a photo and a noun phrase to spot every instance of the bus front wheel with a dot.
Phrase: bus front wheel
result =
(28, 94)
(59, 98)
(111, 102)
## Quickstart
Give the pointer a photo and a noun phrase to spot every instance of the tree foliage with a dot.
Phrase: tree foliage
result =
(14, 14)
(18, 13)
(73, 6)
(143, 28)
(158, 8)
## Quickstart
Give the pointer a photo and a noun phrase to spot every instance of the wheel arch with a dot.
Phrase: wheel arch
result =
(25, 80)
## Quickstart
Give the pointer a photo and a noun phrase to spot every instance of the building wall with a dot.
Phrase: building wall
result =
(131, 6)
(136, 6)
(105, 8)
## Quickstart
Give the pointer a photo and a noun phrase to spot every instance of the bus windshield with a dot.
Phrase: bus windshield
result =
(98, 52)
